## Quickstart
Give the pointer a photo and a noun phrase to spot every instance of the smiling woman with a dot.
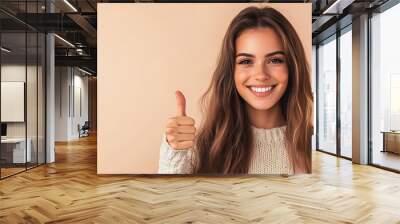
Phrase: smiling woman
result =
(258, 107)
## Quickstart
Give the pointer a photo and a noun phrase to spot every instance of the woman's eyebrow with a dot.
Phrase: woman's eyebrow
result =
(274, 53)
(244, 54)
(267, 55)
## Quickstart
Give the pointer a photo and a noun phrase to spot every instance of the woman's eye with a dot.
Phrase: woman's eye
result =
(245, 62)
(276, 60)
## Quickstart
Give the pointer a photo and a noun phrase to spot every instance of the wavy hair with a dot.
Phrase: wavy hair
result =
(224, 142)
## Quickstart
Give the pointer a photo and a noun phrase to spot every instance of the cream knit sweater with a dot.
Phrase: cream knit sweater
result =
(269, 157)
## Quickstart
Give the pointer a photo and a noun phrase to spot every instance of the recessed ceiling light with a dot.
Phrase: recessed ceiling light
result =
(337, 7)
(64, 40)
(84, 71)
(5, 50)
(70, 5)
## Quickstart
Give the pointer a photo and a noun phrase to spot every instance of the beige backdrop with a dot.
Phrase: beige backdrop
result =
(146, 52)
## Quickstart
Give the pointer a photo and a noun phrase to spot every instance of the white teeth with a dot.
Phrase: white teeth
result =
(261, 90)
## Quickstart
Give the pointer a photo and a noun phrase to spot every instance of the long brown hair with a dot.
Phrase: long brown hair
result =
(225, 141)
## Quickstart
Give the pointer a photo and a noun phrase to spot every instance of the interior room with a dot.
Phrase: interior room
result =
(50, 131)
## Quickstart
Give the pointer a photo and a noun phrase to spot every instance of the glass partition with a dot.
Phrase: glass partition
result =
(31, 100)
(327, 96)
(13, 109)
(346, 93)
(314, 91)
(22, 77)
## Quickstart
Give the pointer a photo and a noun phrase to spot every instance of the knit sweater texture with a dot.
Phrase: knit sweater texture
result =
(269, 155)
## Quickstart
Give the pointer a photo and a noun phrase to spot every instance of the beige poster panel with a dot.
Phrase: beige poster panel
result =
(145, 53)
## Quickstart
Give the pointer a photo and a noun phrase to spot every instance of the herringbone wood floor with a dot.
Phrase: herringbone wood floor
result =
(69, 191)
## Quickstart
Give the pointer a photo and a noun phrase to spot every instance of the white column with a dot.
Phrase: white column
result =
(50, 92)
(50, 100)
(360, 90)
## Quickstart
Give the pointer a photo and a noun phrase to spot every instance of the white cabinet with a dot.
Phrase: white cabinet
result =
(18, 149)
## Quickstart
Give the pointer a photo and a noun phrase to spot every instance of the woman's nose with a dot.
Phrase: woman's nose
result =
(261, 71)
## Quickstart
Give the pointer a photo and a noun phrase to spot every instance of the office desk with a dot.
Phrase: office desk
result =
(15, 148)
(391, 141)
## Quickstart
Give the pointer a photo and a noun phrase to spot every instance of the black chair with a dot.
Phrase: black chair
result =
(84, 130)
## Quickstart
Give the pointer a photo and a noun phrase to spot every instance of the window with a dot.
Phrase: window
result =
(314, 90)
(327, 96)
(346, 92)
(385, 89)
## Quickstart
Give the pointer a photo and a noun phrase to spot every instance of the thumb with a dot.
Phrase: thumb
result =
(181, 103)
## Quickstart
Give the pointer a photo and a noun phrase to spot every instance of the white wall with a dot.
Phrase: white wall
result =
(62, 80)
(69, 84)
(16, 72)
(80, 84)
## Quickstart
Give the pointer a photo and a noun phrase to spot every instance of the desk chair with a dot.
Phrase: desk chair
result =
(84, 130)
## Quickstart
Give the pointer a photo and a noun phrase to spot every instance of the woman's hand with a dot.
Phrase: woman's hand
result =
(180, 130)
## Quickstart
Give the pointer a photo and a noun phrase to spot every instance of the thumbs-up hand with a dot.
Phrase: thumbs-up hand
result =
(180, 130)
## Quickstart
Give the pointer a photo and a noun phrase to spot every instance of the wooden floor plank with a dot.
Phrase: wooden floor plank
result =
(70, 191)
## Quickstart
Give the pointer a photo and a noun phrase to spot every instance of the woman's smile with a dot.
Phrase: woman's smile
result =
(261, 90)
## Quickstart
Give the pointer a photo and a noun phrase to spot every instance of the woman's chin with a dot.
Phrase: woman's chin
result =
(261, 106)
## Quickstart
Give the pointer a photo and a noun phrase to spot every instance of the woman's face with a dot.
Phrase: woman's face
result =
(261, 72)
